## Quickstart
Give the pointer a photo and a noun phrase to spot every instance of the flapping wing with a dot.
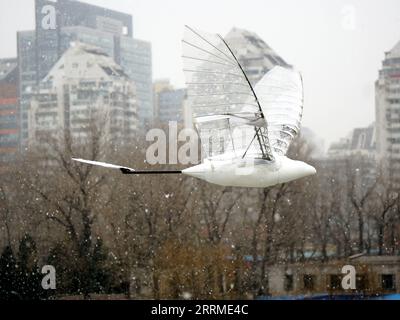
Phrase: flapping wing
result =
(222, 98)
(280, 93)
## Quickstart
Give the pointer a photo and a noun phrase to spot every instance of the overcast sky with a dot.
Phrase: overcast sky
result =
(338, 45)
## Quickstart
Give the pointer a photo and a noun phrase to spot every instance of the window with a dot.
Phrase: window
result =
(388, 281)
(288, 282)
(308, 280)
(361, 282)
(335, 282)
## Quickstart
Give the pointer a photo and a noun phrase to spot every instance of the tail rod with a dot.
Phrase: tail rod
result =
(129, 171)
(126, 170)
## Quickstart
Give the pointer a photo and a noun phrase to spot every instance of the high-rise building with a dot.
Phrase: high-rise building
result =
(53, 16)
(387, 99)
(133, 55)
(61, 22)
(8, 111)
(83, 87)
(168, 102)
(159, 86)
(136, 58)
(255, 56)
(26, 43)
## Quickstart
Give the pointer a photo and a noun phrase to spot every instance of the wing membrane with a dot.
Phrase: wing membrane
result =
(218, 86)
(280, 93)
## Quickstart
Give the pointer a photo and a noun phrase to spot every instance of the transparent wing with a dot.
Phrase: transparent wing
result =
(280, 94)
(217, 86)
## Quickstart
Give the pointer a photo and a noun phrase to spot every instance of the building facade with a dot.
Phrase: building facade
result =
(373, 275)
(26, 43)
(387, 102)
(135, 56)
(60, 23)
(168, 102)
(9, 124)
(360, 142)
(83, 88)
(52, 16)
(159, 86)
(171, 105)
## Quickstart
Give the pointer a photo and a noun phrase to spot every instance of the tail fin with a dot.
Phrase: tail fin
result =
(125, 170)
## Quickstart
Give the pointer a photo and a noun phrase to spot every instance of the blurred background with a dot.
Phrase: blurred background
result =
(90, 78)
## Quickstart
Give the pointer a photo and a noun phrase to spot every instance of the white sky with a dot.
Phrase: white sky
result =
(338, 45)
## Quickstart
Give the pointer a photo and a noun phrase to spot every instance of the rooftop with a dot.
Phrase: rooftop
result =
(254, 45)
(394, 52)
(85, 61)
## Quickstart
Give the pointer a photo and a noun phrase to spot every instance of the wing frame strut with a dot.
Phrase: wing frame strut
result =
(260, 136)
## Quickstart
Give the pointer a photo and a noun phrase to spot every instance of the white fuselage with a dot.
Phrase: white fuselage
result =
(250, 172)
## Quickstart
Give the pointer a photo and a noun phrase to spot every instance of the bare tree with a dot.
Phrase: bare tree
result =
(360, 190)
(385, 200)
(215, 206)
(70, 192)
